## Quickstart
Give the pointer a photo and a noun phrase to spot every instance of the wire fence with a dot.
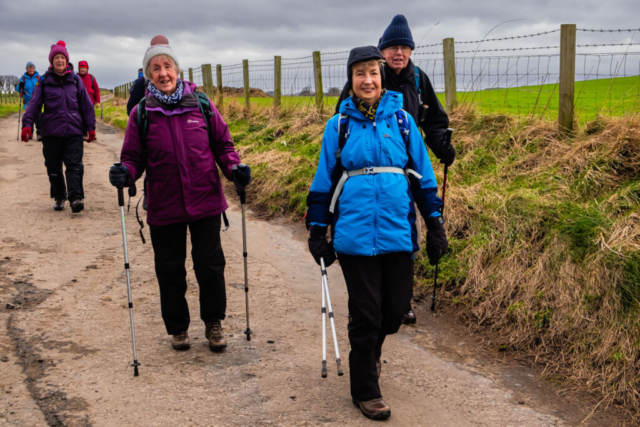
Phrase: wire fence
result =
(515, 74)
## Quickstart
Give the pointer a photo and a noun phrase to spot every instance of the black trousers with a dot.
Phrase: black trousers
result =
(70, 151)
(170, 253)
(380, 290)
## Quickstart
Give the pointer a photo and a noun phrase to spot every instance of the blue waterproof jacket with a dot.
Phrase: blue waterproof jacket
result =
(29, 85)
(375, 212)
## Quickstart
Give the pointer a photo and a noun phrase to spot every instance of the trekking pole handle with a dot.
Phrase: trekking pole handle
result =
(241, 192)
(120, 189)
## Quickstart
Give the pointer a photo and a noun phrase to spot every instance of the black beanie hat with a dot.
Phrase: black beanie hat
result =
(397, 34)
(364, 53)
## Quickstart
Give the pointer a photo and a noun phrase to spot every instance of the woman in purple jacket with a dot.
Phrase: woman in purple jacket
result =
(68, 114)
(184, 190)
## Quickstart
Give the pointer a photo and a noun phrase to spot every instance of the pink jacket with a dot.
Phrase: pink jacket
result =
(183, 184)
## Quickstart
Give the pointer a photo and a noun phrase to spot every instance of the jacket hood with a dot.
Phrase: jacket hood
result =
(187, 103)
(35, 74)
(390, 103)
(83, 64)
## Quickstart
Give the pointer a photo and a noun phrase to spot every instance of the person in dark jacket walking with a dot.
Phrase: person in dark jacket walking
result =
(402, 75)
(68, 112)
(184, 191)
(373, 166)
(136, 93)
(26, 86)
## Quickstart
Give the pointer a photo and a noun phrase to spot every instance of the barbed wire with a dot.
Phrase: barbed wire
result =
(619, 30)
(428, 45)
(507, 38)
(608, 44)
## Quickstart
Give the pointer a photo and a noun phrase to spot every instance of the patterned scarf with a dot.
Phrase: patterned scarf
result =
(369, 111)
(167, 99)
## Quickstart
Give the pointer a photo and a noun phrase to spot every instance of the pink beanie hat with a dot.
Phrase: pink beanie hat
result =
(60, 47)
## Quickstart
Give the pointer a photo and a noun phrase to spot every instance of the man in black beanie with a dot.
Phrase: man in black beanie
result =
(401, 75)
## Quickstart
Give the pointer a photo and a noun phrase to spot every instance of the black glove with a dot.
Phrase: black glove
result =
(319, 246)
(241, 177)
(447, 155)
(119, 176)
(436, 239)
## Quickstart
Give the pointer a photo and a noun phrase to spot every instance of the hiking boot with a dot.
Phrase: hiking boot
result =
(379, 367)
(77, 205)
(374, 409)
(409, 318)
(213, 332)
(39, 138)
(181, 341)
(58, 205)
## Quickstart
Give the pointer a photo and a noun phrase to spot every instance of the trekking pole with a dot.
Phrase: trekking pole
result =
(19, 113)
(324, 330)
(444, 194)
(325, 284)
(135, 363)
(101, 111)
(243, 198)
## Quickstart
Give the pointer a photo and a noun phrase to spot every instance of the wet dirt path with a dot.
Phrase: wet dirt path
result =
(65, 345)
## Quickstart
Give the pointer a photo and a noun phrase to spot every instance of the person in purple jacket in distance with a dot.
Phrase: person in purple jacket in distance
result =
(68, 113)
(184, 190)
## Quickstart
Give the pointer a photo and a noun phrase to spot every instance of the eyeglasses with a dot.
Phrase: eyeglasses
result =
(403, 49)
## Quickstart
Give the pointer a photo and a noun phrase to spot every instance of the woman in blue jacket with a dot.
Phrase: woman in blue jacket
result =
(26, 85)
(373, 166)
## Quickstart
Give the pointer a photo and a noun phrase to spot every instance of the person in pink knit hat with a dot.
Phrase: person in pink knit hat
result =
(68, 113)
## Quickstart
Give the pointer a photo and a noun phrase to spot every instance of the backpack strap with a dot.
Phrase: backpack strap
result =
(143, 129)
(205, 109)
(416, 72)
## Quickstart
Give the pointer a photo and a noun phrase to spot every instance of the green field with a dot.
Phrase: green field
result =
(609, 97)
(5, 110)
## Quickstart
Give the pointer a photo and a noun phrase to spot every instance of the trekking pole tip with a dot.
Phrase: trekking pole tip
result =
(324, 369)
(340, 373)
(135, 371)
(248, 333)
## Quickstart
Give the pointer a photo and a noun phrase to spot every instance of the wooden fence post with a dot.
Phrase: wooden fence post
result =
(317, 75)
(191, 75)
(247, 90)
(182, 75)
(277, 81)
(450, 91)
(219, 82)
(207, 80)
(567, 77)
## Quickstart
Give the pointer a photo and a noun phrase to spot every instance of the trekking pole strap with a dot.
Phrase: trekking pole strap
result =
(367, 171)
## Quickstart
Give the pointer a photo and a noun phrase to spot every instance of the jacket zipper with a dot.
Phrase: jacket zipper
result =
(375, 189)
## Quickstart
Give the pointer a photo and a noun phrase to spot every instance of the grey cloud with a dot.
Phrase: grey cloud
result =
(113, 35)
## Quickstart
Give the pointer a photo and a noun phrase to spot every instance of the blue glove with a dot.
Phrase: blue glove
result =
(119, 176)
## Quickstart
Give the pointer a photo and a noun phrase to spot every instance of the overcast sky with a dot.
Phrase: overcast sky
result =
(112, 35)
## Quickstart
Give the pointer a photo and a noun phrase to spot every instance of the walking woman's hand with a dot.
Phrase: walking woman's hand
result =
(118, 175)
(319, 246)
(436, 239)
(26, 134)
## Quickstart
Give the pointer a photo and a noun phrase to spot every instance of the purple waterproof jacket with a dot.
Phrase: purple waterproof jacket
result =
(68, 110)
(183, 184)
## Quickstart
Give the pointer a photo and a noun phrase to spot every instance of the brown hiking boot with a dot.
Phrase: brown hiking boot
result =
(375, 409)
(77, 205)
(379, 367)
(181, 341)
(213, 332)
(58, 205)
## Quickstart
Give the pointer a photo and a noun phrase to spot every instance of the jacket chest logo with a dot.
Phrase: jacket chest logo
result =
(193, 121)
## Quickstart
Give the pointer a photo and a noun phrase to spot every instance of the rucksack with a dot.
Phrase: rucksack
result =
(143, 131)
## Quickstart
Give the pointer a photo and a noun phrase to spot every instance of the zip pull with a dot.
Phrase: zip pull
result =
(374, 125)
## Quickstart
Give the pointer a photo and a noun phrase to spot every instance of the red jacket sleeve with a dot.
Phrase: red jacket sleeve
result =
(96, 91)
